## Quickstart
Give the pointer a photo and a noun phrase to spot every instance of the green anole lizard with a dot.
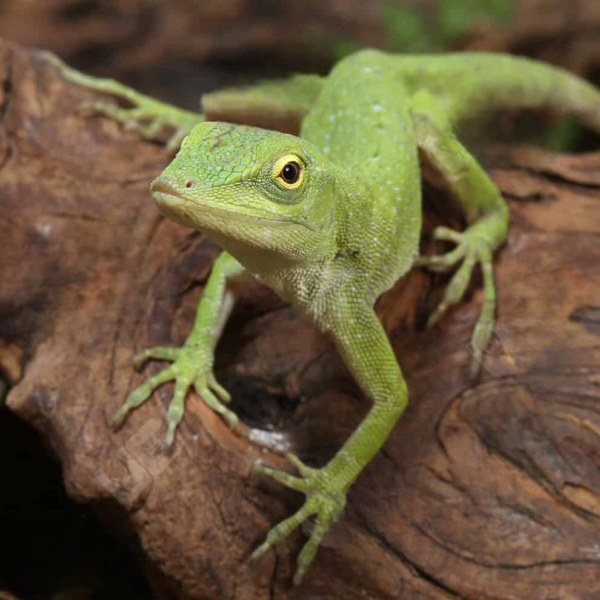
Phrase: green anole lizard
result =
(331, 219)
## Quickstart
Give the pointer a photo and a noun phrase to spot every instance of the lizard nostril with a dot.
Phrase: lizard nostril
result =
(190, 184)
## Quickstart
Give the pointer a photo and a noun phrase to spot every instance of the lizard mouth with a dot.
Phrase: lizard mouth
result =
(165, 194)
(172, 202)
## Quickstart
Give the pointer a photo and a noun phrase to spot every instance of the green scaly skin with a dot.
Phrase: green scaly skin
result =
(350, 228)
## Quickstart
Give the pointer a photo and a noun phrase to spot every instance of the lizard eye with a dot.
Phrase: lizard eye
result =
(289, 172)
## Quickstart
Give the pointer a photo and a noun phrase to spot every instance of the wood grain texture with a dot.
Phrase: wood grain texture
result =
(486, 489)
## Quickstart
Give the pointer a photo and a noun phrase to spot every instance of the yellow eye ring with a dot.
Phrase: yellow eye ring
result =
(288, 171)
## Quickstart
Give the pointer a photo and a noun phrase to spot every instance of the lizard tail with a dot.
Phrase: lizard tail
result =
(484, 82)
(531, 84)
(516, 82)
(573, 96)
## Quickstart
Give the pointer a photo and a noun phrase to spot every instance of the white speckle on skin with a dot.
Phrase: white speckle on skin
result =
(377, 107)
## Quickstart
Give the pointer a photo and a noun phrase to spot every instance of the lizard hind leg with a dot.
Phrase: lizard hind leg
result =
(147, 116)
(487, 215)
(274, 104)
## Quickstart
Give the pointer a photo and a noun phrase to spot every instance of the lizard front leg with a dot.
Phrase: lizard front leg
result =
(487, 215)
(366, 350)
(193, 362)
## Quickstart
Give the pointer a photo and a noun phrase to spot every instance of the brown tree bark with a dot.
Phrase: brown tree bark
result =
(485, 489)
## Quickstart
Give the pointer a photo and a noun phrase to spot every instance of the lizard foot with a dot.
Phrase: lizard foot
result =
(147, 116)
(187, 370)
(472, 247)
(326, 499)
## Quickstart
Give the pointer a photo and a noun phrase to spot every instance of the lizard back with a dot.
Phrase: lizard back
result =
(361, 122)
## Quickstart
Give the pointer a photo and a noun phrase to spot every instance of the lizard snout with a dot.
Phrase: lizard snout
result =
(164, 185)
(165, 191)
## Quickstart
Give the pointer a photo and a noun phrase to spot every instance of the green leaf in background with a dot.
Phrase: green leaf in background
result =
(564, 136)
(407, 29)
(457, 17)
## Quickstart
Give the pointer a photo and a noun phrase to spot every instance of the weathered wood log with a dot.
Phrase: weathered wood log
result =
(485, 489)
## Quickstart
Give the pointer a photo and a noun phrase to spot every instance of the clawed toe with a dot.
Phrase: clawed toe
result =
(472, 250)
(186, 370)
(325, 499)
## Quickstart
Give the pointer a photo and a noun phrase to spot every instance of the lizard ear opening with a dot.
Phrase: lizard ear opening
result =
(288, 172)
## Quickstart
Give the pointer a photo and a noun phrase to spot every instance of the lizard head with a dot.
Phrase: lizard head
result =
(251, 187)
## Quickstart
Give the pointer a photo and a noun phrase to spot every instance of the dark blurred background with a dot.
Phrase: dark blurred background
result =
(177, 50)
